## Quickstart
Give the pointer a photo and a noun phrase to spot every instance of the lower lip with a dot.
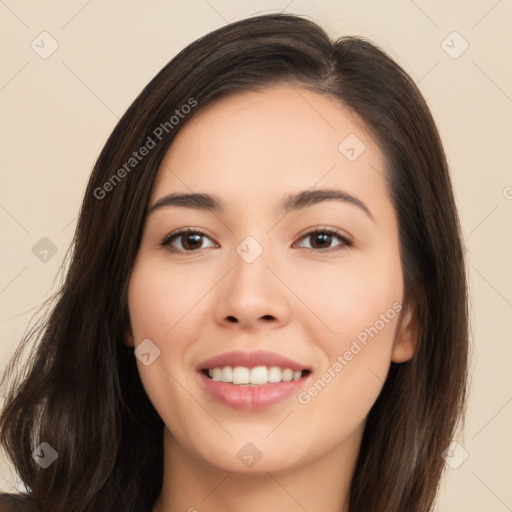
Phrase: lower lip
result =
(251, 398)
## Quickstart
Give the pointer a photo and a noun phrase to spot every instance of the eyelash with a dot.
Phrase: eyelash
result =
(345, 242)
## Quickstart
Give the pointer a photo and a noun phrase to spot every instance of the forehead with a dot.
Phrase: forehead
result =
(275, 140)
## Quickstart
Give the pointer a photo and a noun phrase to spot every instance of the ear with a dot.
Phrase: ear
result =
(406, 340)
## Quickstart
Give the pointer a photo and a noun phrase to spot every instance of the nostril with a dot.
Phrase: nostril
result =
(267, 317)
(232, 319)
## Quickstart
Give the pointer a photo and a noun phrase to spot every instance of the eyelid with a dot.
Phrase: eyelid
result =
(315, 229)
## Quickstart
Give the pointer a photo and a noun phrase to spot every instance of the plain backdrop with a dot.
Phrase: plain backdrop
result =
(57, 110)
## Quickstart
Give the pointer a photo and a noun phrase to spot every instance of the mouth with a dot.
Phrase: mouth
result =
(253, 377)
(255, 385)
(252, 381)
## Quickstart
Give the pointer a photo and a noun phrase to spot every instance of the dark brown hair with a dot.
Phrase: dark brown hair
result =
(81, 391)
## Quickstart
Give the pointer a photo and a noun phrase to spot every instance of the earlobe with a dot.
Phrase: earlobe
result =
(406, 338)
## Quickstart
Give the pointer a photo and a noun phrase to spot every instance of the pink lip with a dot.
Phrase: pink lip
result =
(250, 360)
(250, 398)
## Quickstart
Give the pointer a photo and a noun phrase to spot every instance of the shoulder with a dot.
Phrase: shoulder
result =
(13, 503)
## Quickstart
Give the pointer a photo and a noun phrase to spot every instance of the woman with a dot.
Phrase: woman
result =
(271, 226)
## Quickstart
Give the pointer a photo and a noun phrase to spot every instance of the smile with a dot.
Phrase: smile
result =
(252, 380)
(257, 376)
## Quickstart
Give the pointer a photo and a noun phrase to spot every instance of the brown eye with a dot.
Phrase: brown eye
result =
(324, 239)
(187, 241)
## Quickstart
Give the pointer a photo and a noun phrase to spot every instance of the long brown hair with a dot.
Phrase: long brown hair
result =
(81, 392)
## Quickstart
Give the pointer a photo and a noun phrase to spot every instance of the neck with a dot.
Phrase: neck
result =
(192, 485)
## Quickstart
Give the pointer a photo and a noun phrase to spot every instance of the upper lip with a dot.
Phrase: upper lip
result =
(251, 360)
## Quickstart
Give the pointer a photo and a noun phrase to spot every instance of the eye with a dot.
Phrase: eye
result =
(186, 240)
(324, 238)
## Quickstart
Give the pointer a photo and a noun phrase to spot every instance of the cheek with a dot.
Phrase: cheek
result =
(159, 300)
(354, 295)
(343, 392)
(360, 303)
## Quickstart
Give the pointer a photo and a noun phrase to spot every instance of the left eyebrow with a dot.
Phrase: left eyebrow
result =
(297, 201)
(311, 197)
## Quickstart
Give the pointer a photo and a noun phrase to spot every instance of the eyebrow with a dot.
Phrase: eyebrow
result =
(303, 199)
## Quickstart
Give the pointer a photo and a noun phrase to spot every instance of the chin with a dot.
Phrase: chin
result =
(242, 455)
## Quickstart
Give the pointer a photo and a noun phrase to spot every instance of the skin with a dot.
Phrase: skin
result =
(299, 298)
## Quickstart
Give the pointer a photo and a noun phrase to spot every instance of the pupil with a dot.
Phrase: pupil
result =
(323, 239)
(191, 241)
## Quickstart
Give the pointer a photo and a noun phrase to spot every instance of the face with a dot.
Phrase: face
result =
(288, 269)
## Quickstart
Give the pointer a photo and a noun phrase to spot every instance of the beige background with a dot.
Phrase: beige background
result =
(58, 111)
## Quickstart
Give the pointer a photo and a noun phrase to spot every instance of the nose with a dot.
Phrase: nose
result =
(252, 297)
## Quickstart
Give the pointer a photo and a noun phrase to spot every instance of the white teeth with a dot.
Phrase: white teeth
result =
(274, 374)
(227, 374)
(256, 376)
(240, 375)
(259, 375)
(287, 375)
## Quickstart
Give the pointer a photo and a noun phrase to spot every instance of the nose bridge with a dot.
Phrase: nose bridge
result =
(250, 265)
(250, 276)
(251, 292)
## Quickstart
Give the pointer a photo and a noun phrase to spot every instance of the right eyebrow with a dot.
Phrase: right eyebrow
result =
(205, 202)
